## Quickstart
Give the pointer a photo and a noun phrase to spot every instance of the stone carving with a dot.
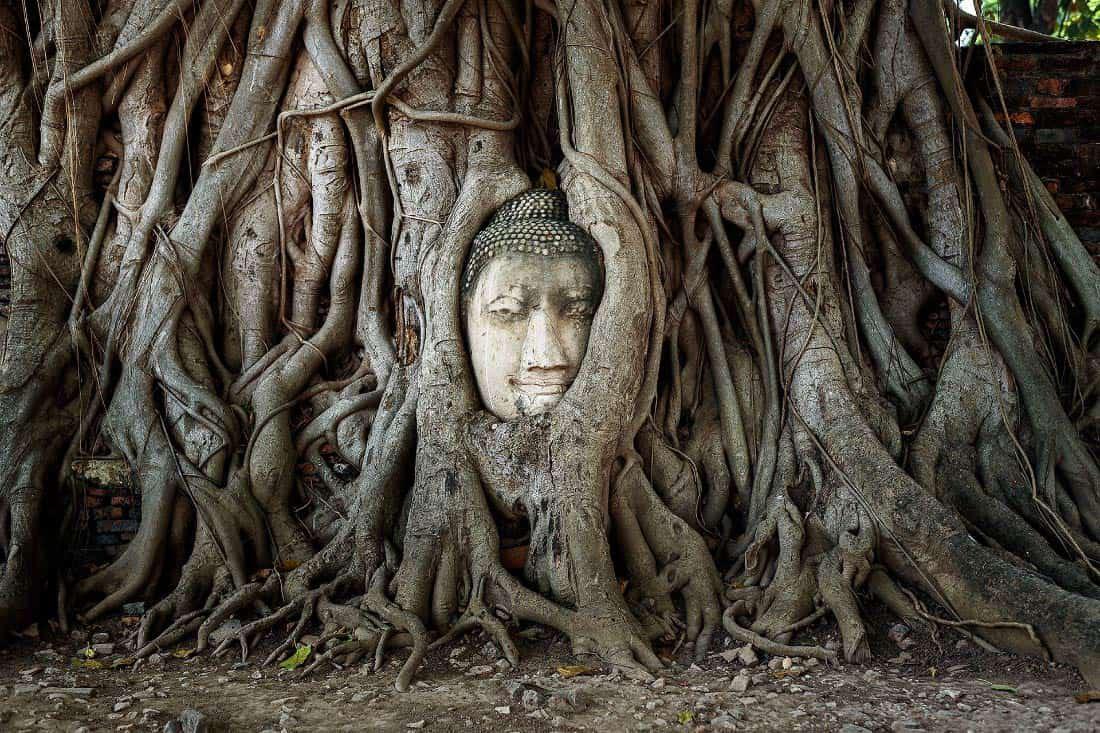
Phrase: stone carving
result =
(530, 288)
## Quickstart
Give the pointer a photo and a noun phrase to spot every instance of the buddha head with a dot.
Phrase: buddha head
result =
(532, 283)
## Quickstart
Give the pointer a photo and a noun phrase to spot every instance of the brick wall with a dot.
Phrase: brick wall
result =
(1052, 93)
(111, 508)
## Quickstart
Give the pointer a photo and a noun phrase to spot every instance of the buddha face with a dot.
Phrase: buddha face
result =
(527, 321)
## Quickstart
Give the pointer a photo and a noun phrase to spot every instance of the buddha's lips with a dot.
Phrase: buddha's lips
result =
(541, 387)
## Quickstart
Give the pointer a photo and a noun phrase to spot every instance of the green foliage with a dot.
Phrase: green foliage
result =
(1078, 20)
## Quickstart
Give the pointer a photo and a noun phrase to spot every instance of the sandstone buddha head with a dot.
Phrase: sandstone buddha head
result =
(531, 286)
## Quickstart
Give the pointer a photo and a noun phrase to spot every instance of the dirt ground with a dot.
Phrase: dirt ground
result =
(915, 683)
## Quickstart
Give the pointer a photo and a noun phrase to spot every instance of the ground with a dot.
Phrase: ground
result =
(915, 683)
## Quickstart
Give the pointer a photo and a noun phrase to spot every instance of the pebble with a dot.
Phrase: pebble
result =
(479, 669)
(571, 700)
(417, 725)
(740, 683)
(724, 722)
(504, 709)
(228, 630)
(747, 656)
(531, 700)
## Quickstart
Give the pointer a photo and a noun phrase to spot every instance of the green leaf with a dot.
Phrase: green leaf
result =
(1002, 688)
(298, 658)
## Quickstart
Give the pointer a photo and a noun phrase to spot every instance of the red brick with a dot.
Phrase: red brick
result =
(1055, 102)
(1053, 87)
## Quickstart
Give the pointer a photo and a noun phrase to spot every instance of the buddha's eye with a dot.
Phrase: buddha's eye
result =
(579, 308)
(508, 310)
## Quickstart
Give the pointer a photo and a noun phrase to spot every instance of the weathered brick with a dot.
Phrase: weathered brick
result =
(1053, 87)
(1056, 102)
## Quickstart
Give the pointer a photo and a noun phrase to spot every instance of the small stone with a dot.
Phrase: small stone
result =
(739, 684)
(228, 630)
(192, 721)
(787, 663)
(417, 725)
(658, 683)
(23, 690)
(852, 728)
(531, 700)
(103, 650)
(747, 656)
(156, 659)
(811, 662)
(724, 722)
(81, 692)
(502, 665)
(479, 669)
(948, 693)
(572, 700)
(360, 697)
(101, 637)
(775, 663)
(504, 709)
(897, 632)
(122, 705)
(286, 720)
(514, 689)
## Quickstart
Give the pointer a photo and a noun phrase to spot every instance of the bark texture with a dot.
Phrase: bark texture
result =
(236, 234)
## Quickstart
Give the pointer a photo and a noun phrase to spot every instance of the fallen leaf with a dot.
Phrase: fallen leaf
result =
(122, 662)
(295, 660)
(183, 653)
(87, 664)
(574, 670)
(1087, 696)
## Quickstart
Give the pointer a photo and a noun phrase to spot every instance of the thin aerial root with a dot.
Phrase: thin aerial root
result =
(962, 624)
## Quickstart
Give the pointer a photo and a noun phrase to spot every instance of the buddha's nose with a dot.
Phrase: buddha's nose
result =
(542, 348)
